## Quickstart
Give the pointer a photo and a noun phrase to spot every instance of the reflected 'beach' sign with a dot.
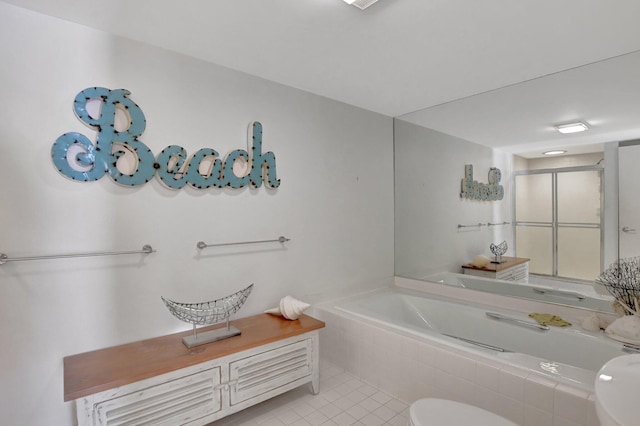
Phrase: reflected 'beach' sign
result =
(474, 190)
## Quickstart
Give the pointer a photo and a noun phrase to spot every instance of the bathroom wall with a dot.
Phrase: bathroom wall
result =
(335, 202)
(429, 168)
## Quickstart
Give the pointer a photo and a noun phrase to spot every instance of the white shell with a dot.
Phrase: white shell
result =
(591, 322)
(480, 261)
(626, 328)
(289, 308)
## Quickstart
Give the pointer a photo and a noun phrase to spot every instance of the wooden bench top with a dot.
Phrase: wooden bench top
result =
(104, 369)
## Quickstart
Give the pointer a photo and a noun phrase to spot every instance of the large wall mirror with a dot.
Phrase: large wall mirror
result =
(571, 215)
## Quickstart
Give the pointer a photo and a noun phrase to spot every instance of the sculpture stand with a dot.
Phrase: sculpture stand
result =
(210, 336)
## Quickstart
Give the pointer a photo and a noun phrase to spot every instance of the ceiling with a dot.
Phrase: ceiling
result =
(437, 63)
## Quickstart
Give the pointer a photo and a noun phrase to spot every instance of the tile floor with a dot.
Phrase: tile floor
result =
(343, 400)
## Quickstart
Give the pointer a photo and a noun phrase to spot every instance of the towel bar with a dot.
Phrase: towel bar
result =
(146, 249)
(201, 244)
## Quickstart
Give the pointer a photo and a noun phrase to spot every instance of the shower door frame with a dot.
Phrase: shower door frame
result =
(554, 224)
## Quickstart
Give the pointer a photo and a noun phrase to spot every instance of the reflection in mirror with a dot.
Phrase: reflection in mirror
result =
(629, 199)
(438, 233)
(562, 212)
(559, 217)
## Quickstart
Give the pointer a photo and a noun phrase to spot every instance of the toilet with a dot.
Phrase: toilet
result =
(442, 412)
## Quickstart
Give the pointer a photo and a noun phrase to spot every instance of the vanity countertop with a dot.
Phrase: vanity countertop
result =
(509, 262)
(109, 368)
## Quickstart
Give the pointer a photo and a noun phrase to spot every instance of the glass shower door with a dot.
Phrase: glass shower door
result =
(579, 230)
(558, 221)
(534, 221)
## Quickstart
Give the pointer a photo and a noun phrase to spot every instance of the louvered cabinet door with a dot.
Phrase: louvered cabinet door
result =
(172, 403)
(258, 374)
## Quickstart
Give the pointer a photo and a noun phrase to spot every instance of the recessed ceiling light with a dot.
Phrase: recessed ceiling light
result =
(572, 127)
(361, 4)
(555, 152)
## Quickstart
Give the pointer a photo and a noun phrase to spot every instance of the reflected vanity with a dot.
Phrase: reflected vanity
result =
(511, 269)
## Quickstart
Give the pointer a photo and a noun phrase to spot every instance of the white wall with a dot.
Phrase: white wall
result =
(335, 203)
(429, 168)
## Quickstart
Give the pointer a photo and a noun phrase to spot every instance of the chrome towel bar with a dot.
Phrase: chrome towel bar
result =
(479, 225)
(201, 245)
(516, 321)
(559, 293)
(146, 249)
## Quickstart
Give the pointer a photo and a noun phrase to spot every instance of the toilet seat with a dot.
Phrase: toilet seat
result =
(442, 412)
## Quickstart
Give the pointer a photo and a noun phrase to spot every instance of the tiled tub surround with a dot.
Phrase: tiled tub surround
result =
(410, 367)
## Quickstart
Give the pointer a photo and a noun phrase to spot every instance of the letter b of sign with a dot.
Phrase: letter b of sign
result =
(76, 157)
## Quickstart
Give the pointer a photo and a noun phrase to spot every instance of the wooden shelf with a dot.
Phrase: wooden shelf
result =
(103, 369)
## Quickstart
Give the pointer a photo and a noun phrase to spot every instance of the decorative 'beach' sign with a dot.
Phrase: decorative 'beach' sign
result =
(472, 189)
(130, 162)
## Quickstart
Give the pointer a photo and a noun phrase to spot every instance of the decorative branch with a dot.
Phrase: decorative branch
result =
(622, 280)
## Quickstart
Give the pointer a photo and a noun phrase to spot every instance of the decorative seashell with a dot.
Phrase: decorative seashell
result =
(590, 322)
(289, 308)
(480, 261)
(626, 329)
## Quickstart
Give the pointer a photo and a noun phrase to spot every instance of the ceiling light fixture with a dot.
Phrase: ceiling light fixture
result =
(360, 4)
(555, 152)
(571, 127)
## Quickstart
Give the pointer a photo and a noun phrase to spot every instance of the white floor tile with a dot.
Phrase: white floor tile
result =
(288, 416)
(385, 413)
(316, 418)
(372, 420)
(396, 405)
(370, 404)
(357, 412)
(356, 396)
(381, 397)
(330, 410)
(344, 419)
(398, 420)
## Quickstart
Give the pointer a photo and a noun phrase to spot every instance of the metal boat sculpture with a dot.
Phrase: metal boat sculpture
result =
(205, 313)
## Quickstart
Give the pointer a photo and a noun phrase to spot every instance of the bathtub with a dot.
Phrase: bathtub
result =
(538, 288)
(503, 333)
(413, 344)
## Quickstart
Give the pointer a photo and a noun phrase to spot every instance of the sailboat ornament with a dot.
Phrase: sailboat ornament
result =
(205, 313)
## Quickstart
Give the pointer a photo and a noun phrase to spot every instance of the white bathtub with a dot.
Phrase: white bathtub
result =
(538, 288)
(394, 339)
(558, 351)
